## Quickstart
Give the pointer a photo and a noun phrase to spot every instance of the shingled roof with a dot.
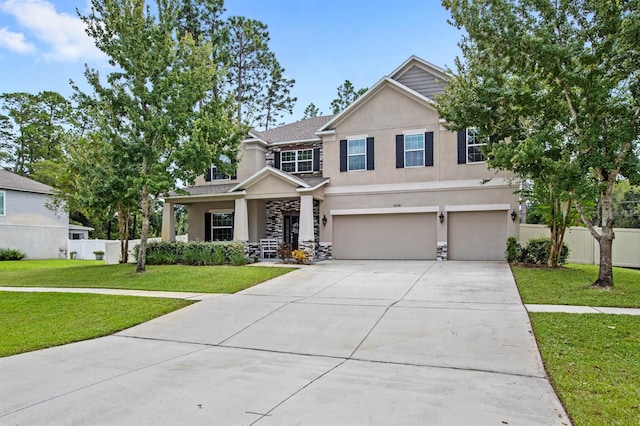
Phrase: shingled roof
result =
(9, 180)
(299, 131)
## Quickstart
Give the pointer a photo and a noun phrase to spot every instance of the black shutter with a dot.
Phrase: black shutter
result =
(428, 149)
(316, 159)
(343, 155)
(276, 159)
(370, 157)
(399, 151)
(234, 175)
(207, 226)
(207, 177)
(462, 147)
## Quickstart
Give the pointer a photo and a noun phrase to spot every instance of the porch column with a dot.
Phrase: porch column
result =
(168, 222)
(241, 221)
(306, 218)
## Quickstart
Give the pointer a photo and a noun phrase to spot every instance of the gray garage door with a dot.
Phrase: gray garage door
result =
(477, 235)
(385, 236)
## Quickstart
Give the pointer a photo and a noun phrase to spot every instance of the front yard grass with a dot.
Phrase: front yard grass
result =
(593, 360)
(571, 285)
(83, 274)
(32, 321)
(594, 364)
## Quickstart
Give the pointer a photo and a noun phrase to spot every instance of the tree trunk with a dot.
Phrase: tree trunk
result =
(144, 231)
(605, 273)
(123, 225)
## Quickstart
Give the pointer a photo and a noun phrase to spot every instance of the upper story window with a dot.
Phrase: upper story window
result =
(470, 143)
(2, 203)
(356, 154)
(214, 174)
(475, 142)
(414, 150)
(297, 161)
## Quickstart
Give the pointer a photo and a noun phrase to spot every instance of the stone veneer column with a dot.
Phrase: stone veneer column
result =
(241, 221)
(306, 238)
(168, 223)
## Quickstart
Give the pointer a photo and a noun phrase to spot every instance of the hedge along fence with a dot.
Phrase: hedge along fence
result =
(194, 253)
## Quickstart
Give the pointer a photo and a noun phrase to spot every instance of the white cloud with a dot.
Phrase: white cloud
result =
(14, 42)
(63, 33)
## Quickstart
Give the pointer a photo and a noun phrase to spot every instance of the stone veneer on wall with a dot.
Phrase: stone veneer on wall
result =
(269, 156)
(275, 210)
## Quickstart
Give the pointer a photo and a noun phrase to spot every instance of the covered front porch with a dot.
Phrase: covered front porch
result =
(271, 207)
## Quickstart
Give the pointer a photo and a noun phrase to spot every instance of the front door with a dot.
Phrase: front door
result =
(291, 229)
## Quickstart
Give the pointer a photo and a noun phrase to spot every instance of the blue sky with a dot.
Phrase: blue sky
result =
(319, 43)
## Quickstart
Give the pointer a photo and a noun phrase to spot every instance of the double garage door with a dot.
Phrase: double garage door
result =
(477, 235)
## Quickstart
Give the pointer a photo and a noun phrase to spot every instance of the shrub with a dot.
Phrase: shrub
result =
(537, 250)
(513, 249)
(193, 252)
(284, 252)
(11, 254)
(300, 256)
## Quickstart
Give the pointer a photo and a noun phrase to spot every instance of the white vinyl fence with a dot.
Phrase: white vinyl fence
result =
(583, 248)
(84, 249)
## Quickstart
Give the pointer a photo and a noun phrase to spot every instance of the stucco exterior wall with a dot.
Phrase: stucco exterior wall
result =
(196, 216)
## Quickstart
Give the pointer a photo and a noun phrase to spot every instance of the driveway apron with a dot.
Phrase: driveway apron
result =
(337, 343)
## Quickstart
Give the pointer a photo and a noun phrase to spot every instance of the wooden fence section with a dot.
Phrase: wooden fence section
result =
(584, 248)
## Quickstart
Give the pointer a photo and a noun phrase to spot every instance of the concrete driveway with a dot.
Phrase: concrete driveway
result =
(338, 343)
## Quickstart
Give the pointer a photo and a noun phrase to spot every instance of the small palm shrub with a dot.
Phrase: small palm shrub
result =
(11, 254)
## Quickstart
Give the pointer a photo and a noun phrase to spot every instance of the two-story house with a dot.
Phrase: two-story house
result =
(26, 222)
(382, 179)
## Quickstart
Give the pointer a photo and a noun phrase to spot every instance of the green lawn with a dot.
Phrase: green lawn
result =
(78, 273)
(594, 364)
(571, 285)
(593, 360)
(32, 321)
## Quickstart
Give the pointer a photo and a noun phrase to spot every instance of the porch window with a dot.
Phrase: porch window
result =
(2, 203)
(414, 150)
(475, 142)
(221, 226)
(357, 154)
(297, 161)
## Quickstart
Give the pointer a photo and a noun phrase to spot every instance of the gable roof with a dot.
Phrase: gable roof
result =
(303, 130)
(9, 180)
(392, 81)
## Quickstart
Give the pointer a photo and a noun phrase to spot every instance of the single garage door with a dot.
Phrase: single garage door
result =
(477, 235)
(385, 236)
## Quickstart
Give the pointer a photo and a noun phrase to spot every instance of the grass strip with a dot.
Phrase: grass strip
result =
(571, 285)
(32, 321)
(593, 361)
(200, 279)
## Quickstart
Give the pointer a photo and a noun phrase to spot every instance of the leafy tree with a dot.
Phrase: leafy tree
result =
(557, 84)
(347, 94)
(311, 111)
(276, 99)
(626, 205)
(33, 129)
(163, 127)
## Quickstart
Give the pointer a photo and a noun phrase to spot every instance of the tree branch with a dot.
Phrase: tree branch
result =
(586, 221)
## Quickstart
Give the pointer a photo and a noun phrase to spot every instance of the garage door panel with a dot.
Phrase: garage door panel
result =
(385, 236)
(477, 235)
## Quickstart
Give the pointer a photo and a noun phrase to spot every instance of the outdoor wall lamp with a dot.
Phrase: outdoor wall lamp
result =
(324, 220)
(441, 217)
(514, 215)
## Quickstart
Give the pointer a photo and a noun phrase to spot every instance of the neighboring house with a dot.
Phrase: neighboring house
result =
(383, 179)
(26, 223)
(79, 232)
